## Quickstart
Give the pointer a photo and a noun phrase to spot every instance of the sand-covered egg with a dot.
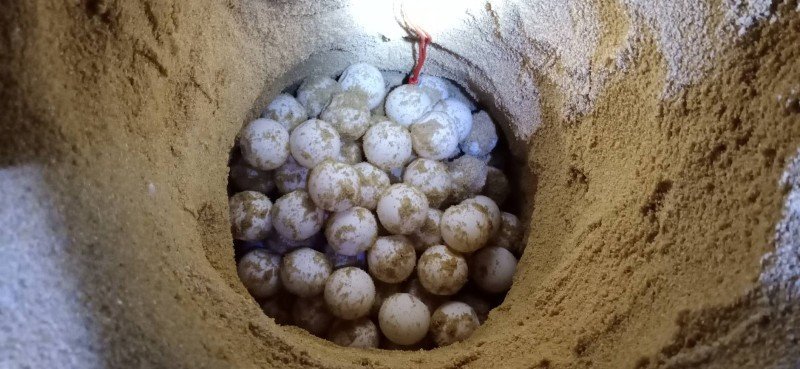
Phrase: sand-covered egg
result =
(468, 176)
(333, 186)
(402, 208)
(483, 137)
(296, 217)
(434, 87)
(358, 333)
(492, 269)
(429, 233)
(313, 142)
(442, 271)
(466, 227)
(404, 319)
(311, 314)
(497, 186)
(264, 144)
(366, 79)
(290, 176)
(372, 182)
(351, 231)
(492, 210)
(387, 145)
(304, 272)
(286, 110)
(258, 271)
(406, 104)
(510, 234)
(459, 113)
(349, 293)
(351, 153)
(348, 113)
(431, 177)
(452, 322)
(245, 177)
(250, 215)
(315, 93)
(433, 136)
(391, 259)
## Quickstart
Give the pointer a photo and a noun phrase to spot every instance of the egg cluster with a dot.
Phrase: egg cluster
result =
(374, 219)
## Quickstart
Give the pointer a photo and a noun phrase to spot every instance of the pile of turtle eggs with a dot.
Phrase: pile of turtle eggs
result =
(374, 219)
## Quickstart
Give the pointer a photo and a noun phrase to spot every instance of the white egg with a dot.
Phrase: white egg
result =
(433, 136)
(351, 153)
(311, 314)
(452, 322)
(391, 259)
(348, 113)
(250, 218)
(279, 308)
(245, 177)
(351, 231)
(366, 79)
(286, 110)
(460, 113)
(304, 272)
(431, 177)
(296, 217)
(434, 87)
(441, 271)
(404, 319)
(402, 209)
(313, 142)
(493, 269)
(291, 176)
(315, 93)
(358, 333)
(333, 186)
(478, 304)
(407, 103)
(510, 235)
(483, 137)
(258, 271)
(387, 145)
(468, 175)
(429, 233)
(491, 209)
(371, 183)
(466, 227)
(264, 143)
(497, 187)
(349, 293)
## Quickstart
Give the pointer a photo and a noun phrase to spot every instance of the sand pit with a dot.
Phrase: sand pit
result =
(655, 146)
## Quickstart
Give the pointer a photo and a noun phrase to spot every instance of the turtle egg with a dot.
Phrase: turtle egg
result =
(407, 103)
(493, 269)
(248, 178)
(497, 187)
(264, 143)
(311, 314)
(441, 271)
(434, 87)
(460, 113)
(313, 142)
(391, 259)
(359, 333)
(430, 177)
(348, 113)
(258, 271)
(366, 79)
(402, 209)
(483, 137)
(429, 233)
(433, 136)
(349, 293)
(286, 110)
(351, 231)
(315, 93)
(510, 233)
(466, 227)
(387, 145)
(296, 217)
(333, 186)
(468, 175)
(351, 153)
(304, 272)
(404, 319)
(290, 176)
(371, 183)
(452, 322)
(250, 218)
(492, 210)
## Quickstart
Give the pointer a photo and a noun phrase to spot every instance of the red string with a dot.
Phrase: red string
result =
(424, 40)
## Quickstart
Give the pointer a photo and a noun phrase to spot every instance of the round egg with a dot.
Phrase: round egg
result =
(387, 145)
(371, 183)
(468, 176)
(311, 314)
(304, 272)
(466, 227)
(391, 259)
(431, 177)
(351, 231)
(452, 322)
(258, 271)
(264, 144)
(351, 153)
(358, 333)
(478, 304)
(290, 176)
(333, 186)
(434, 87)
(407, 103)
(348, 113)
(349, 293)
(313, 142)
(433, 136)
(296, 217)
(459, 113)
(493, 269)
(429, 233)
(315, 93)
(492, 210)
(245, 177)
(404, 319)
(402, 209)
(483, 137)
(441, 271)
(286, 110)
(510, 234)
(415, 288)
(279, 308)
(497, 187)
(365, 79)
(250, 215)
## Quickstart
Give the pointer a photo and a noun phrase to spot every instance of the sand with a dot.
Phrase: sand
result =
(651, 143)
